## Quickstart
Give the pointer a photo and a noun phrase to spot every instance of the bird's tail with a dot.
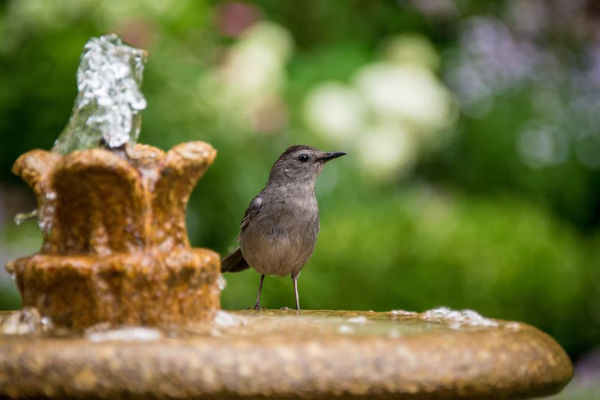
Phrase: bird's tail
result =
(234, 262)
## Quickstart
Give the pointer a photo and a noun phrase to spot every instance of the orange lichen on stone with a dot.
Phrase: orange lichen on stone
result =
(34, 167)
(184, 165)
(115, 241)
(100, 205)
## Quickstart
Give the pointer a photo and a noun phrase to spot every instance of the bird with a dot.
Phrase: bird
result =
(280, 226)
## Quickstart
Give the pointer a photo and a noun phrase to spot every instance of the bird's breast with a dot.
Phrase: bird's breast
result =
(282, 237)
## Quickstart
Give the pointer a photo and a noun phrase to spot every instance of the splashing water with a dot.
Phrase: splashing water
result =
(22, 217)
(224, 319)
(221, 282)
(125, 334)
(109, 101)
(345, 329)
(361, 319)
(457, 318)
(27, 321)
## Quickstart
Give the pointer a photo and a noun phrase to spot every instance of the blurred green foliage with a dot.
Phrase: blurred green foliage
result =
(471, 225)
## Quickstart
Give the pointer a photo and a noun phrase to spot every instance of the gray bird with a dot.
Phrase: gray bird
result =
(280, 227)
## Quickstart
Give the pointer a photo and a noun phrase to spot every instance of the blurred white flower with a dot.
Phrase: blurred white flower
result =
(255, 64)
(334, 110)
(386, 151)
(274, 36)
(250, 68)
(246, 88)
(411, 49)
(409, 93)
(393, 109)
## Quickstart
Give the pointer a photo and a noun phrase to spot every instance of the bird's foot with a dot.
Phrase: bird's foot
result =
(255, 307)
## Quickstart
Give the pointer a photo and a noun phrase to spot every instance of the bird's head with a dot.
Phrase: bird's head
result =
(300, 164)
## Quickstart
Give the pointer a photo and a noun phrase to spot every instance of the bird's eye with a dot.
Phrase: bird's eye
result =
(303, 158)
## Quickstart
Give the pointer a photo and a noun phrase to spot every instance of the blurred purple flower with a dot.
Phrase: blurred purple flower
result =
(491, 59)
(436, 8)
(234, 17)
(594, 64)
(587, 370)
(140, 33)
(499, 56)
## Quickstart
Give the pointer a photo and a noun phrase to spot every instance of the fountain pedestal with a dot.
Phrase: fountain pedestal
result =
(115, 242)
(278, 354)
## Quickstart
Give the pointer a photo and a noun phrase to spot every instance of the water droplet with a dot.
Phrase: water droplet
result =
(47, 323)
(457, 318)
(23, 322)
(361, 319)
(22, 217)
(394, 333)
(221, 282)
(402, 312)
(215, 333)
(346, 329)
(128, 334)
(513, 326)
(10, 268)
(224, 319)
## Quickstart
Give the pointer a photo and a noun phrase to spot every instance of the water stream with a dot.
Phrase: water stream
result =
(109, 100)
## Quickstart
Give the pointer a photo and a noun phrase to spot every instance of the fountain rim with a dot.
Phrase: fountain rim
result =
(236, 366)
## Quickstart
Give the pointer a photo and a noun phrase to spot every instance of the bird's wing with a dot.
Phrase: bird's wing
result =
(252, 211)
(235, 261)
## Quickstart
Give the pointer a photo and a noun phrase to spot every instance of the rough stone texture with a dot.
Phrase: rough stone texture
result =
(115, 242)
(280, 354)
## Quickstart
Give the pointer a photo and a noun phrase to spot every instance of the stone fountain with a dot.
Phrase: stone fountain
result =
(118, 305)
(113, 219)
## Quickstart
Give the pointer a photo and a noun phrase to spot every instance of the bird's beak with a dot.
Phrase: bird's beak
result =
(331, 155)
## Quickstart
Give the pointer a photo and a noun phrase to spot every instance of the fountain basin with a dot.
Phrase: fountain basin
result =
(281, 354)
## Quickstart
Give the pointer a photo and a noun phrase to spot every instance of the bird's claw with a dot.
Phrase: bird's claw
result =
(255, 307)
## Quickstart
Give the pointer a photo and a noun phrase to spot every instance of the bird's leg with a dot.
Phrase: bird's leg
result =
(295, 280)
(257, 304)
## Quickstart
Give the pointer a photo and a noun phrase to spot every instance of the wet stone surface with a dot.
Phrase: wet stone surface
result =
(439, 354)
